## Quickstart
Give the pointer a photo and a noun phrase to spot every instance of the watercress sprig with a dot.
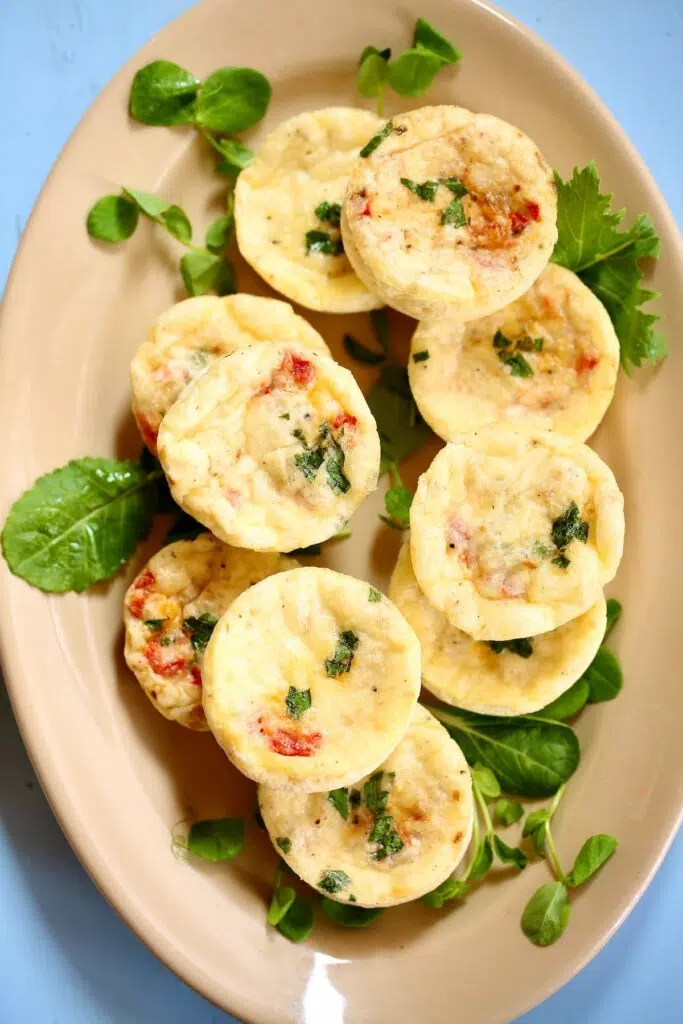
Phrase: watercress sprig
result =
(409, 74)
(114, 218)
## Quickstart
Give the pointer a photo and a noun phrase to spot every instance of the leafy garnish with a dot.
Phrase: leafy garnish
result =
(507, 812)
(523, 646)
(568, 703)
(603, 676)
(322, 242)
(387, 838)
(163, 93)
(216, 839)
(232, 99)
(427, 38)
(401, 429)
(426, 190)
(377, 140)
(334, 465)
(79, 524)
(112, 219)
(614, 610)
(590, 858)
(607, 259)
(374, 794)
(284, 843)
(297, 923)
(339, 798)
(374, 595)
(569, 526)
(334, 881)
(310, 461)
(510, 353)
(421, 357)
(329, 213)
(297, 701)
(282, 899)
(154, 624)
(546, 914)
(342, 658)
(200, 629)
(455, 215)
(349, 916)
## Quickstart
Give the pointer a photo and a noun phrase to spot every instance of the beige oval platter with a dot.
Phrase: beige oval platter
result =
(119, 776)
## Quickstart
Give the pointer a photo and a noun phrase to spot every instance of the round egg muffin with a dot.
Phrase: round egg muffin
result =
(514, 531)
(513, 677)
(191, 334)
(548, 361)
(449, 213)
(272, 448)
(288, 205)
(310, 680)
(393, 836)
(170, 611)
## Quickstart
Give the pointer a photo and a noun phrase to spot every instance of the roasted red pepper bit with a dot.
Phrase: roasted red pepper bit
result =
(140, 592)
(289, 741)
(344, 419)
(586, 362)
(196, 675)
(162, 661)
(148, 432)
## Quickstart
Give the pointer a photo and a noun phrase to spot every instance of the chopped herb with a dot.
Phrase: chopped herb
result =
(349, 917)
(523, 646)
(299, 435)
(455, 214)
(335, 468)
(340, 662)
(339, 798)
(421, 357)
(330, 213)
(456, 186)
(284, 843)
(333, 881)
(297, 923)
(284, 416)
(374, 595)
(354, 797)
(374, 795)
(200, 630)
(166, 641)
(216, 839)
(309, 462)
(426, 190)
(377, 140)
(569, 526)
(561, 561)
(155, 624)
(387, 838)
(297, 702)
(517, 365)
(509, 353)
(322, 241)
(538, 344)
(500, 340)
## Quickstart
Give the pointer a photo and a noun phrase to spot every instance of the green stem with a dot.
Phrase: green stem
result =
(474, 845)
(188, 245)
(550, 847)
(395, 475)
(483, 808)
(211, 140)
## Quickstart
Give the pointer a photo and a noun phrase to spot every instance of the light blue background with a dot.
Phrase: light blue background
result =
(65, 957)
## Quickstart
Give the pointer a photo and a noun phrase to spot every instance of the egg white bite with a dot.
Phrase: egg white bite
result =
(514, 531)
(490, 678)
(272, 448)
(548, 361)
(190, 335)
(393, 836)
(170, 610)
(287, 208)
(310, 679)
(451, 213)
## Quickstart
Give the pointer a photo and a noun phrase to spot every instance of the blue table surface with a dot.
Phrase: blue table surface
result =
(66, 957)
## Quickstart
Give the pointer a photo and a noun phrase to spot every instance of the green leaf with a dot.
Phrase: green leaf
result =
(334, 881)
(297, 923)
(334, 466)
(80, 523)
(374, 794)
(377, 140)
(112, 219)
(216, 839)
(568, 703)
(387, 838)
(339, 798)
(528, 756)
(154, 624)
(569, 526)
(591, 243)
(232, 100)
(374, 595)
(236, 156)
(451, 889)
(284, 843)
(590, 858)
(507, 812)
(341, 660)
(281, 901)
(604, 677)
(372, 75)
(200, 629)
(323, 242)
(297, 702)
(401, 429)
(614, 610)
(385, 54)
(485, 781)
(523, 646)
(425, 190)
(225, 283)
(200, 271)
(348, 915)
(413, 72)
(177, 223)
(517, 365)
(427, 38)
(357, 350)
(163, 93)
(397, 502)
(147, 202)
(482, 860)
(455, 215)
(535, 821)
(509, 854)
(219, 233)
(546, 914)
(329, 213)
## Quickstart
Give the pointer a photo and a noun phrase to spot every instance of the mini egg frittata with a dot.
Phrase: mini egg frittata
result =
(170, 611)
(549, 361)
(514, 677)
(288, 204)
(515, 532)
(272, 448)
(190, 335)
(449, 213)
(392, 836)
(310, 679)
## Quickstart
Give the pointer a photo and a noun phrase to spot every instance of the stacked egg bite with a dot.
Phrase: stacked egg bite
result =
(309, 679)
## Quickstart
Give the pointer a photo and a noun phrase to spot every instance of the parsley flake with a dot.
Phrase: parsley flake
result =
(456, 187)
(522, 646)
(421, 357)
(374, 595)
(455, 215)
(340, 662)
(377, 140)
(561, 561)
(387, 838)
(334, 465)
(200, 630)
(339, 798)
(297, 702)
(569, 526)
(322, 242)
(374, 794)
(284, 843)
(333, 881)
(310, 461)
(329, 213)
(154, 624)
(426, 190)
